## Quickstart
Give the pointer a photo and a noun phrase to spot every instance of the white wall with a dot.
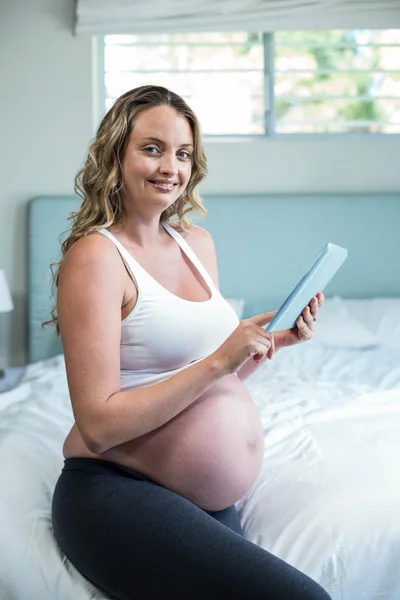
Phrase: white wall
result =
(46, 125)
(304, 166)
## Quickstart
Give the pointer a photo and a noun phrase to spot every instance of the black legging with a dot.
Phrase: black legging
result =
(138, 540)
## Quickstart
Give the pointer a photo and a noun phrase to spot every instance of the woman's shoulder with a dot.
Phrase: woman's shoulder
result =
(196, 234)
(90, 267)
(91, 249)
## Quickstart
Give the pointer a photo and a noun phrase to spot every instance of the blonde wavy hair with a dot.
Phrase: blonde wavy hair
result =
(100, 182)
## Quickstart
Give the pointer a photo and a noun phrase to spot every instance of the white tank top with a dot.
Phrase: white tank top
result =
(164, 333)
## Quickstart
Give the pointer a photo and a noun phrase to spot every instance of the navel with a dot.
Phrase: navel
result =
(252, 445)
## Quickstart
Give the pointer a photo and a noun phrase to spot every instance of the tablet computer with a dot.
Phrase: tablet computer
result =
(317, 277)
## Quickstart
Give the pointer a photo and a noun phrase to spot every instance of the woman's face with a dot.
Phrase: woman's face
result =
(158, 160)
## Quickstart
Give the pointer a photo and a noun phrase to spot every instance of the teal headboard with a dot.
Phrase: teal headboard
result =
(264, 244)
(47, 220)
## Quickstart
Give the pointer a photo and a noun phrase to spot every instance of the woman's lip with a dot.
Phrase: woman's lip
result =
(164, 187)
(164, 182)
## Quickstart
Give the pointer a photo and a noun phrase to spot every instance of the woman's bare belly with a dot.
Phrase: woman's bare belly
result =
(211, 453)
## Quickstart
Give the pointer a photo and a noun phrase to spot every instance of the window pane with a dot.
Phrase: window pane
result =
(182, 57)
(337, 81)
(219, 74)
(225, 103)
(338, 58)
(307, 85)
(370, 116)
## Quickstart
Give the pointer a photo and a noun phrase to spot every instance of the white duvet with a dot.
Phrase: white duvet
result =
(327, 500)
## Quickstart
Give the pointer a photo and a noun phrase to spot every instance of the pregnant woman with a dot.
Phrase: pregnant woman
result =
(166, 437)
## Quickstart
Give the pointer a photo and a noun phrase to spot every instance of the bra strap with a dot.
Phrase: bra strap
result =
(190, 254)
(126, 257)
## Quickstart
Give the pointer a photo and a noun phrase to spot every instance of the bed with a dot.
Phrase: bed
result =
(327, 499)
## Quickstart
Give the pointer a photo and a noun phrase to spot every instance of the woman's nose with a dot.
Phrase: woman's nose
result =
(169, 164)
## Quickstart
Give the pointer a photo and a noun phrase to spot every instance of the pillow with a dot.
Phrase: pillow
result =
(382, 317)
(237, 305)
(336, 328)
(388, 332)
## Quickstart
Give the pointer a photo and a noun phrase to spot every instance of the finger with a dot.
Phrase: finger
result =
(260, 349)
(259, 356)
(263, 319)
(269, 340)
(321, 299)
(262, 341)
(304, 331)
(314, 305)
(271, 350)
(308, 317)
(265, 334)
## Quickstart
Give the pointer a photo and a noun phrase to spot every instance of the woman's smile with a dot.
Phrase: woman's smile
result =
(163, 186)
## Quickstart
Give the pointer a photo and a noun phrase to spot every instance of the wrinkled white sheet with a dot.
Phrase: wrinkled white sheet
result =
(327, 500)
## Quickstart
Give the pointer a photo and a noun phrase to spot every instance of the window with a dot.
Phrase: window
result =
(242, 83)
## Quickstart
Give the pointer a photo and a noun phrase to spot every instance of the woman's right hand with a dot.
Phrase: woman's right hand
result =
(248, 340)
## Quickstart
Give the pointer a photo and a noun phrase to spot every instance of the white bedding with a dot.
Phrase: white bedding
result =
(327, 500)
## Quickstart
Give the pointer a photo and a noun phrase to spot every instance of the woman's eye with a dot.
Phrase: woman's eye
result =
(184, 154)
(151, 150)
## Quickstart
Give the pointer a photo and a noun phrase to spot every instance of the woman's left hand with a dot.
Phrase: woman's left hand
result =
(305, 325)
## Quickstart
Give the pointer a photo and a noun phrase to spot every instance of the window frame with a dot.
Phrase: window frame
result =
(98, 51)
